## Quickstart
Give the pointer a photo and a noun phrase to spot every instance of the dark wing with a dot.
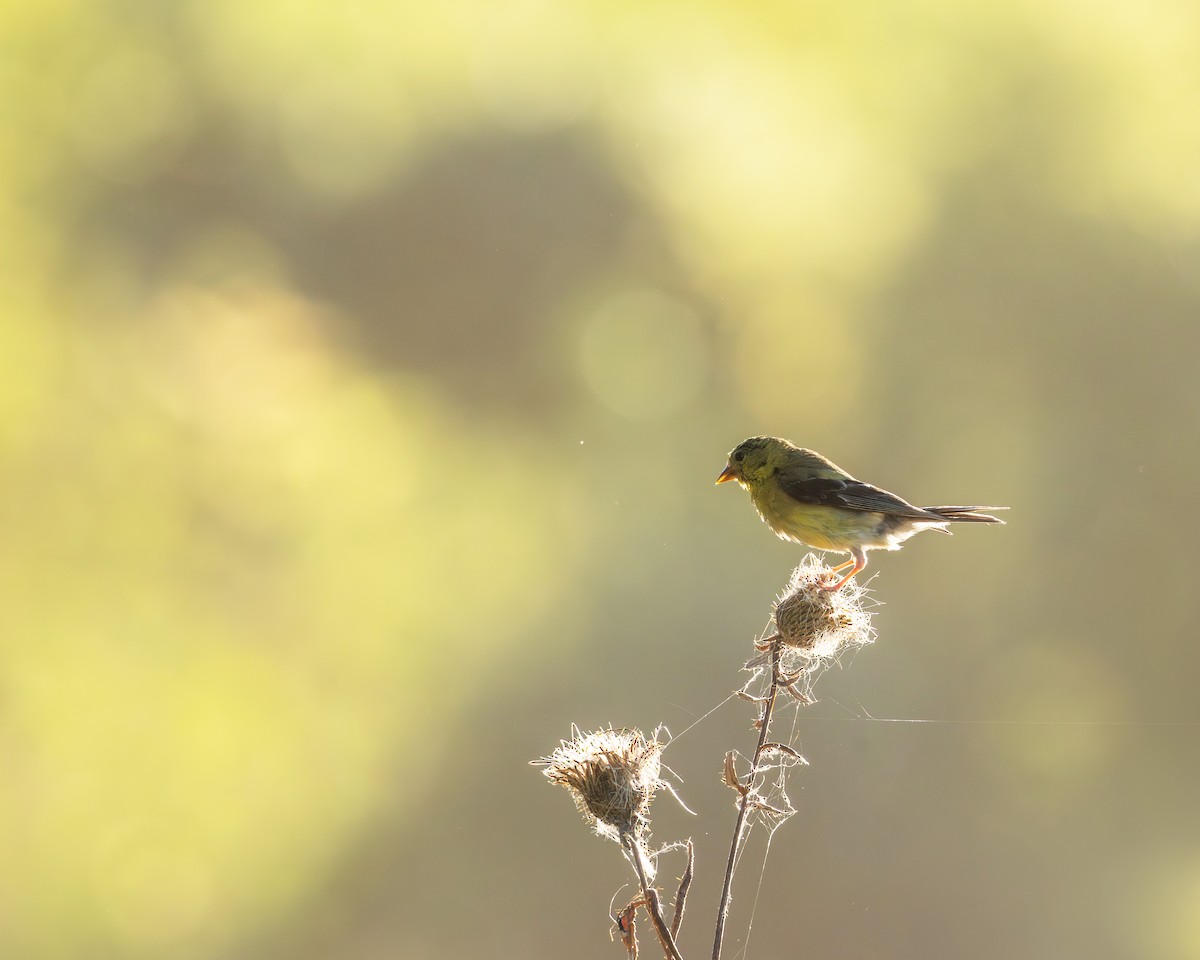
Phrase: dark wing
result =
(850, 494)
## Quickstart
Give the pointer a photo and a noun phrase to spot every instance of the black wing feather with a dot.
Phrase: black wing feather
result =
(850, 494)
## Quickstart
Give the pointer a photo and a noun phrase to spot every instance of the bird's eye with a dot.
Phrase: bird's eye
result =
(739, 456)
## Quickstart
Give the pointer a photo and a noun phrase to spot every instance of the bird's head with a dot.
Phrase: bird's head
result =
(753, 460)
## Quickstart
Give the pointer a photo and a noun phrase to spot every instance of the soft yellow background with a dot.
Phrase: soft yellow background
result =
(364, 371)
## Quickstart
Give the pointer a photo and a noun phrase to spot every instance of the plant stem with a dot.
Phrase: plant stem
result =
(744, 801)
(653, 906)
(681, 895)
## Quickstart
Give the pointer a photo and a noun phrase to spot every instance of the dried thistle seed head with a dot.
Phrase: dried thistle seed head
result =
(820, 624)
(612, 776)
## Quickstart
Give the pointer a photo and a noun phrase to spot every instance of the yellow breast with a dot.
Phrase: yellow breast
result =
(826, 528)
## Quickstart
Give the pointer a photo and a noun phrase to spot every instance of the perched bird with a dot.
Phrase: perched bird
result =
(805, 498)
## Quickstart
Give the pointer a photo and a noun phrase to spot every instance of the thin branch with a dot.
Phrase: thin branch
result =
(681, 894)
(745, 802)
(653, 906)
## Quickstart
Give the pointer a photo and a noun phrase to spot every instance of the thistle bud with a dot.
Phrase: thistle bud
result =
(612, 776)
(817, 624)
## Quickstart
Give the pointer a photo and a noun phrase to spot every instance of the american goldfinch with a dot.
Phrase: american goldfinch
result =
(807, 499)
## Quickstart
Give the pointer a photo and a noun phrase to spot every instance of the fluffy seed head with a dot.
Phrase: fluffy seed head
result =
(612, 776)
(818, 624)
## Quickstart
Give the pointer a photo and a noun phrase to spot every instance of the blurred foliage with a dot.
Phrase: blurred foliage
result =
(355, 357)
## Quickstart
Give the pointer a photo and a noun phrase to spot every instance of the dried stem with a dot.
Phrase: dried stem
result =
(681, 895)
(653, 905)
(745, 799)
(627, 926)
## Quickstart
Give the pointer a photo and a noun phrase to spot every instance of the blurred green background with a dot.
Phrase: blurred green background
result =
(364, 371)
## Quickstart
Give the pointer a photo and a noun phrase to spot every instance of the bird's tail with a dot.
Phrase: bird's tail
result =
(966, 514)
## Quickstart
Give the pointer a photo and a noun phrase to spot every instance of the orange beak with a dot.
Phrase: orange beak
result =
(727, 474)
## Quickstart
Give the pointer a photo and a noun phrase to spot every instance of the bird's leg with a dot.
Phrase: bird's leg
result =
(842, 566)
(859, 561)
